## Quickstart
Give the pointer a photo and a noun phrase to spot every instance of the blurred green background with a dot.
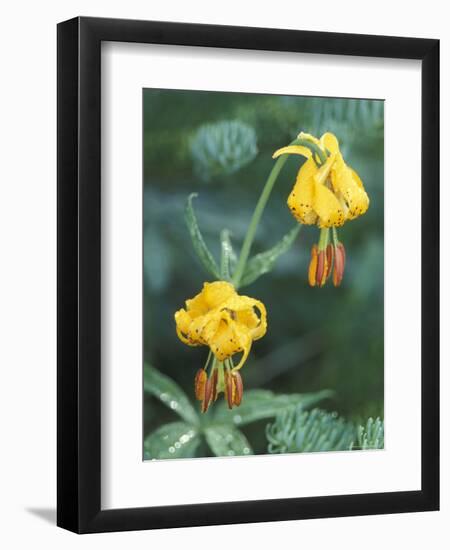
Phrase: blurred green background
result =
(220, 145)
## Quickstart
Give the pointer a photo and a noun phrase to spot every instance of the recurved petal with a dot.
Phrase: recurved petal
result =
(347, 182)
(184, 338)
(246, 344)
(183, 320)
(324, 171)
(247, 317)
(197, 306)
(309, 137)
(356, 177)
(246, 306)
(330, 142)
(327, 207)
(216, 293)
(293, 150)
(300, 201)
(260, 330)
(225, 341)
(183, 325)
(202, 327)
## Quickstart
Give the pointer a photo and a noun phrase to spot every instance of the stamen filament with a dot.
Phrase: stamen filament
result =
(335, 236)
(323, 240)
(208, 359)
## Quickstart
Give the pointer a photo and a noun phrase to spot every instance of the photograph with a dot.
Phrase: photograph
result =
(263, 274)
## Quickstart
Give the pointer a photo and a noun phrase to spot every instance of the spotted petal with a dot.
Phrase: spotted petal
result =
(300, 201)
(347, 182)
(327, 207)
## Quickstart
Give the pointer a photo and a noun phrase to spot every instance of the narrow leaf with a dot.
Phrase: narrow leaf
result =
(265, 261)
(198, 242)
(175, 440)
(227, 255)
(170, 393)
(261, 404)
(227, 441)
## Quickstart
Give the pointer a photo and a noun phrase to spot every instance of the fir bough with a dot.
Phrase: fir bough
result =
(300, 431)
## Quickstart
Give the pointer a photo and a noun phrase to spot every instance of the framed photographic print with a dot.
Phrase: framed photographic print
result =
(248, 309)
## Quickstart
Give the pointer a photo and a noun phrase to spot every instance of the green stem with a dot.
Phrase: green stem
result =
(258, 212)
(323, 240)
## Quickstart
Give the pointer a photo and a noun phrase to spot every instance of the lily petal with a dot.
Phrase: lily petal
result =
(293, 150)
(327, 207)
(309, 137)
(216, 293)
(329, 141)
(347, 182)
(225, 341)
(246, 342)
(300, 201)
(323, 172)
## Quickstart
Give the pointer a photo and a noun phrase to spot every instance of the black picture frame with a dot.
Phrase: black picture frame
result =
(79, 280)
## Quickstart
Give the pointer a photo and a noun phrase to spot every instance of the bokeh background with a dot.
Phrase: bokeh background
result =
(220, 145)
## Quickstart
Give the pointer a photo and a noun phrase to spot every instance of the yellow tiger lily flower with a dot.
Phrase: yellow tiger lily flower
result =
(218, 317)
(326, 193)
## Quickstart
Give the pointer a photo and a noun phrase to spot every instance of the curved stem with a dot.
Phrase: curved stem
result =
(258, 212)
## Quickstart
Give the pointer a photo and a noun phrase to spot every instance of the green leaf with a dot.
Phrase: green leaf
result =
(228, 257)
(264, 262)
(198, 242)
(370, 436)
(167, 391)
(175, 440)
(227, 441)
(260, 404)
(300, 431)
